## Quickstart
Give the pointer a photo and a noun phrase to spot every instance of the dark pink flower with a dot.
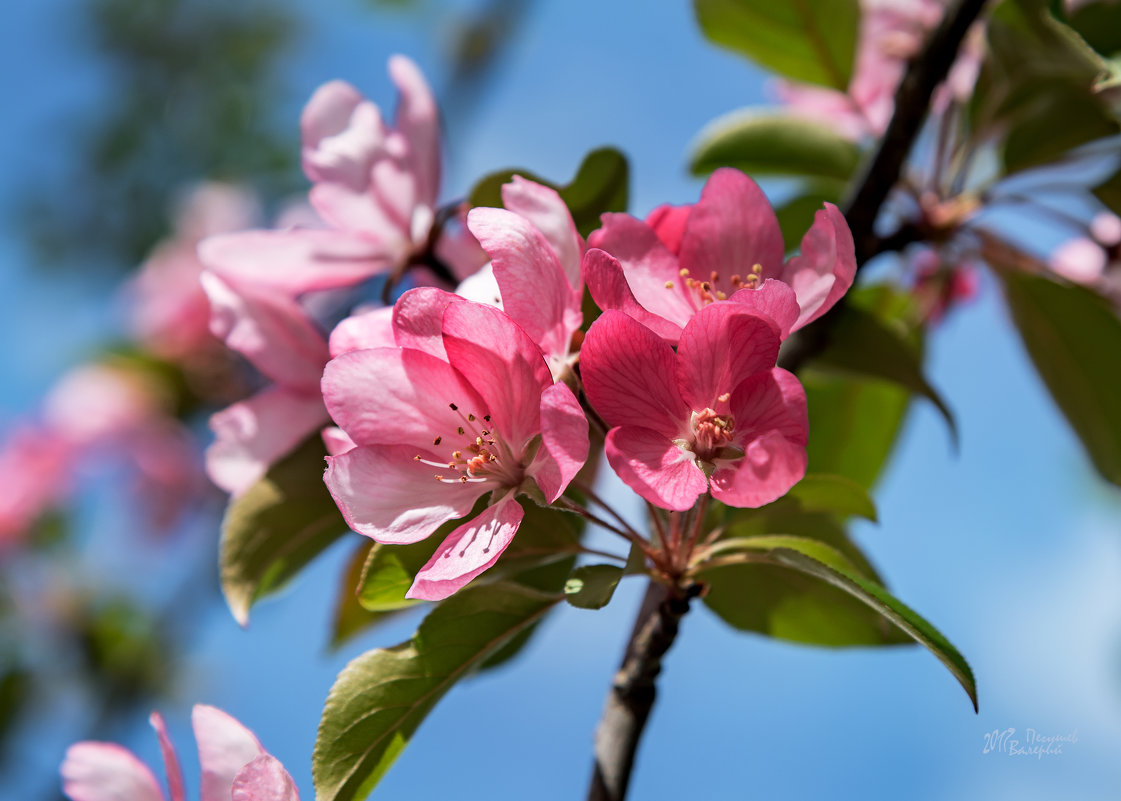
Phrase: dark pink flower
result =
(730, 247)
(235, 767)
(716, 414)
(468, 408)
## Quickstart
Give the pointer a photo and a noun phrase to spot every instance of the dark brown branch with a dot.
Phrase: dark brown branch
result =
(912, 101)
(632, 695)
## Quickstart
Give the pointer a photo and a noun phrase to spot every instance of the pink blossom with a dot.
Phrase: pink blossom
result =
(1080, 260)
(235, 767)
(716, 414)
(36, 465)
(468, 408)
(728, 246)
(374, 186)
(170, 313)
(535, 254)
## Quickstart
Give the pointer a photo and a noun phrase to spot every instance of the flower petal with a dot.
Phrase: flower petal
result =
(825, 268)
(94, 771)
(775, 300)
(564, 445)
(362, 331)
(468, 551)
(502, 363)
(170, 760)
(225, 747)
(608, 284)
(418, 319)
(535, 292)
(724, 344)
(397, 396)
(651, 271)
(297, 260)
(268, 328)
(668, 223)
(341, 131)
(417, 118)
(630, 375)
(545, 209)
(336, 441)
(253, 434)
(264, 779)
(771, 429)
(655, 468)
(385, 494)
(732, 228)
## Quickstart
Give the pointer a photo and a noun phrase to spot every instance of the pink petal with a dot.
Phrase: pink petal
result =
(225, 747)
(357, 211)
(668, 223)
(630, 375)
(481, 288)
(723, 345)
(826, 266)
(264, 779)
(170, 760)
(268, 328)
(341, 131)
(1080, 260)
(418, 120)
(608, 284)
(385, 494)
(564, 446)
(106, 772)
(336, 441)
(651, 465)
(418, 319)
(773, 299)
(771, 429)
(253, 434)
(732, 228)
(458, 249)
(298, 260)
(503, 365)
(535, 292)
(653, 273)
(544, 208)
(369, 329)
(393, 396)
(468, 551)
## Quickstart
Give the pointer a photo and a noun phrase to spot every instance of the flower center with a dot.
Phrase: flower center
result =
(478, 454)
(711, 432)
(701, 292)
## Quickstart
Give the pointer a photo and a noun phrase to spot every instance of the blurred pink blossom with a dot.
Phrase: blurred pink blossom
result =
(235, 766)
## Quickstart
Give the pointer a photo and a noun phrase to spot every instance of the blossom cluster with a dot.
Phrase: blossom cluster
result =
(451, 397)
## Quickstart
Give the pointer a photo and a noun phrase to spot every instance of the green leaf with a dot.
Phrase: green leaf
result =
(591, 586)
(761, 143)
(835, 494)
(390, 569)
(807, 40)
(863, 344)
(636, 562)
(1099, 24)
(350, 617)
(1074, 338)
(1035, 140)
(276, 527)
(600, 185)
(877, 598)
(821, 563)
(379, 699)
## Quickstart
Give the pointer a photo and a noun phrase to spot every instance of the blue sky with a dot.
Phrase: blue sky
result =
(1009, 546)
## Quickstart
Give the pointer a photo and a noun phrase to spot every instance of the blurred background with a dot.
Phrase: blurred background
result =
(119, 108)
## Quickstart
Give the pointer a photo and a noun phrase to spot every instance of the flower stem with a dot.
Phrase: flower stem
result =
(633, 692)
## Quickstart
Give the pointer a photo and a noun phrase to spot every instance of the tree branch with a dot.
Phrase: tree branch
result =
(912, 101)
(632, 695)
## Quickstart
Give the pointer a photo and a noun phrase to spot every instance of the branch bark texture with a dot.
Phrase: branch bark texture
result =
(632, 694)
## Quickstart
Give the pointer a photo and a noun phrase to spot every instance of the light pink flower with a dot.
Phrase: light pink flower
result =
(170, 313)
(535, 254)
(235, 767)
(470, 408)
(36, 465)
(716, 414)
(1081, 260)
(728, 246)
(374, 186)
